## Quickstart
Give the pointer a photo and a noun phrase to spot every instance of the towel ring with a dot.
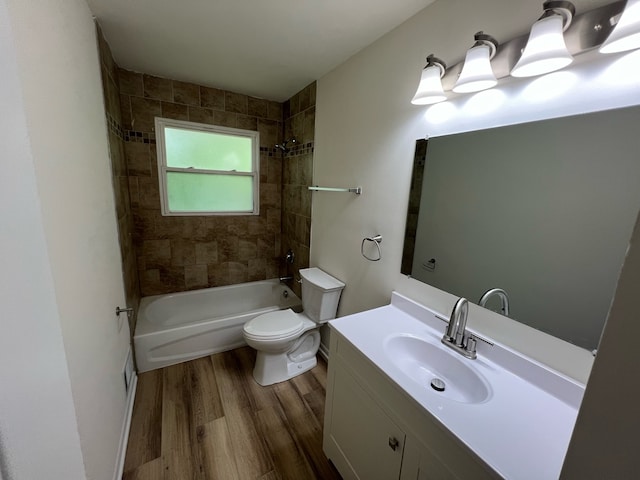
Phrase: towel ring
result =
(377, 239)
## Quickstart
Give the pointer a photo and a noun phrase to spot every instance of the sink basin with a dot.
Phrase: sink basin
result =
(423, 361)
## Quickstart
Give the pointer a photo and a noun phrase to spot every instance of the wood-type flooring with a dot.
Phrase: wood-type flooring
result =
(209, 420)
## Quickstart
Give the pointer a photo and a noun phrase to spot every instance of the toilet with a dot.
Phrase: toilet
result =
(287, 342)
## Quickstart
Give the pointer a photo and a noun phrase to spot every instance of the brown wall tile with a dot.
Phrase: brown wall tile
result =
(227, 273)
(272, 268)
(172, 279)
(200, 115)
(225, 119)
(148, 193)
(183, 252)
(175, 111)
(236, 103)
(134, 195)
(116, 152)
(290, 171)
(157, 88)
(274, 216)
(256, 225)
(207, 253)
(297, 126)
(156, 252)
(178, 253)
(256, 269)
(274, 170)
(305, 202)
(269, 133)
(305, 169)
(247, 249)
(294, 105)
(143, 113)
(138, 159)
(227, 248)
(299, 122)
(266, 246)
(212, 98)
(309, 125)
(247, 123)
(270, 195)
(186, 93)
(304, 99)
(125, 111)
(275, 111)
(130, 82)
(264, 167)
(238, 226)
(195, 276)
(116, 121)
(258, 107)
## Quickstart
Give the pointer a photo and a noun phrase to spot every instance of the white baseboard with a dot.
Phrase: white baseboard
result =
(124, 438)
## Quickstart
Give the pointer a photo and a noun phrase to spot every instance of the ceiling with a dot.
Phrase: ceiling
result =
(265, 48)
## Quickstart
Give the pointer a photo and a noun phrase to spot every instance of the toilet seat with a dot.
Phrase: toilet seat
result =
(276, 325)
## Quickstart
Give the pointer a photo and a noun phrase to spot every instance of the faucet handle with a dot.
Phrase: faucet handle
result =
(471, 346)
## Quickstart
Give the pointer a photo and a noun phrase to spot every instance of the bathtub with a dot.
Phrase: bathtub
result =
(178, 327)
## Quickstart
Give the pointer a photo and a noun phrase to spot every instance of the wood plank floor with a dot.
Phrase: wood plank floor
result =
(209, 420)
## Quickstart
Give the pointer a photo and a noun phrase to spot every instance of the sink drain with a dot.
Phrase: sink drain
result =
(437, 385)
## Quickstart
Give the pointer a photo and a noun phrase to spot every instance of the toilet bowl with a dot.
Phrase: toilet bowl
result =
(287, 342)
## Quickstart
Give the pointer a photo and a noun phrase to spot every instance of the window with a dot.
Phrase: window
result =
(207, 170)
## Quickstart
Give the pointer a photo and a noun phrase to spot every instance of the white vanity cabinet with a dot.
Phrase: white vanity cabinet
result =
(374, 431)
(361, 431)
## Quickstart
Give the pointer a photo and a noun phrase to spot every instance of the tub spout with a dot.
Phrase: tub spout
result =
(285, 279)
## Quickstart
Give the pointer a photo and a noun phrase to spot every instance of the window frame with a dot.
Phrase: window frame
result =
(162, 123)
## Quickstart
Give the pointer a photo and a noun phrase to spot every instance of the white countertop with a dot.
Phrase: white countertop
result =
(521, 431)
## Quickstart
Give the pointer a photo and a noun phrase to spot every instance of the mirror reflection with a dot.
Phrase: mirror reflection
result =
(541, 211)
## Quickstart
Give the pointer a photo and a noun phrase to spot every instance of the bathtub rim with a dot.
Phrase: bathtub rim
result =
(146, 327)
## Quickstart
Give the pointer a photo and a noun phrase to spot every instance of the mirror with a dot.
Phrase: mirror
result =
(542, 210)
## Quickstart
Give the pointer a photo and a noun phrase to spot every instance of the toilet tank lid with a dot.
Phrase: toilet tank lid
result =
(321, 279)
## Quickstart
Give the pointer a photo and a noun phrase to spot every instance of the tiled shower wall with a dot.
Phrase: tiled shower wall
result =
(119, 171)
(417, 176)
(299, 123)
(184, 253)
(171, 254)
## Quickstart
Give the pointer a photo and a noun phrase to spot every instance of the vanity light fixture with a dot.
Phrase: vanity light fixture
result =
(550, 45)
(626, 34)
(546, 50)
(430, 89)
(477, 73)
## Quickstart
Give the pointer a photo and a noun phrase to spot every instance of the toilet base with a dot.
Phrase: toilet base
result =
(275, 368)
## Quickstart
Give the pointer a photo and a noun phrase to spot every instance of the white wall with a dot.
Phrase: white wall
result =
(366, 129)
(58, 65)
(606, 432)
(38, 429)
(365, 134)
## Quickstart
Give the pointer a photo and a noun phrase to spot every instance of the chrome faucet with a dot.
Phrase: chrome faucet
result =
(501, 294)
(455, 335)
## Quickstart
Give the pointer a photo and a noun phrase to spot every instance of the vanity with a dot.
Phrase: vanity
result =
(501, 415)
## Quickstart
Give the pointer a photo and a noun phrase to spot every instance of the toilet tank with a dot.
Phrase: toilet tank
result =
(320, 294)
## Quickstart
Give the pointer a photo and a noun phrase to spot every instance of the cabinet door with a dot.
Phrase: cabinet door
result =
(420, 464)
(369, 442)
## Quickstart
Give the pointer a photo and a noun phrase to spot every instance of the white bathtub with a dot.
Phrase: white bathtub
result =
(178, 327)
